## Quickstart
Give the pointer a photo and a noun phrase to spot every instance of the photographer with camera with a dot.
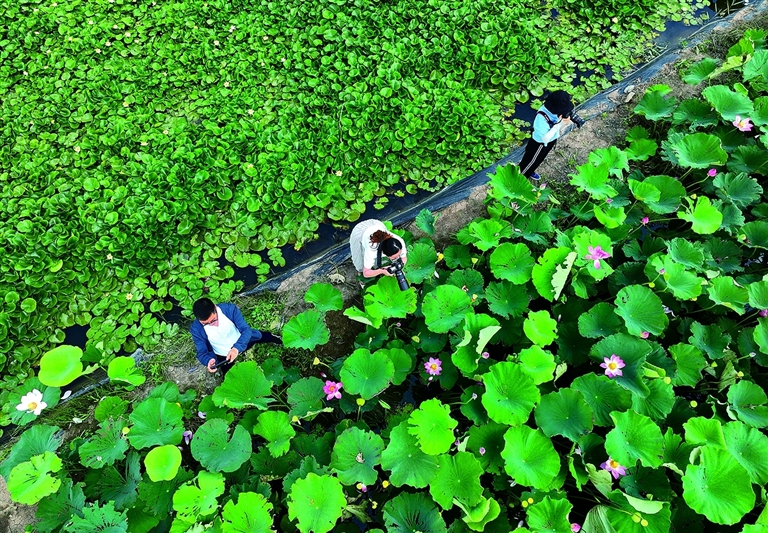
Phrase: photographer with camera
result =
(550, 123)
(370, 240)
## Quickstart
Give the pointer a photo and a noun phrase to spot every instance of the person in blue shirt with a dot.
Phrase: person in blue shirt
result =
(220, 334)
(550, 122)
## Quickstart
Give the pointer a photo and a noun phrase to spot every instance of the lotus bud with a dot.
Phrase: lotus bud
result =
(440, 257)
(651, 284)
(385, 483)
(316, 361)
(694, 404)
(295, 419)
(474, 260)
(360, 402)
(667, 380)
(126, 430)
(416, 339)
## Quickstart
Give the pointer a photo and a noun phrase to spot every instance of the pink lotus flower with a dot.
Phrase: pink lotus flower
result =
(433, 366)
(485, 355)
(201, 414)
(743, 124)
(609, 201)
(645, 334)
(481, 450)
(332, 390)
(763, 312)
(596, 254)
(575, 527)
(712, 172)
(612, 366)
(645, 221)
(614, 468)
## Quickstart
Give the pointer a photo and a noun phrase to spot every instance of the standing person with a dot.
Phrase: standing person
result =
(551, 119)
(221, 334)
(364, 243)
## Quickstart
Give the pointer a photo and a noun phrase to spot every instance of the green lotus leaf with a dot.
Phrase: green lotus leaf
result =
(564, 413)
(710, 339)
(478, 331)
(756, 65)
(216, 451)
(700, 150)
(433, 426)
(468, 280)
(275, 427)
(308, 464)
(444, 308)
(610, 217)
(306, 330)
(274, 371)
(594, 180)
(509, 184)
(641, 310)
(249, 515)
(199, 499)
(105, 446)
(36, 440)
(748, 401)
(638, 516)
(676, 452)
(634, 437)
(538, 364)
(671, 191)
(325, 297)
(367, 374)
(408, 464)
(718, 487)
(530, 459)
(633, 352)
(386, 300)
(739, 188)
(724, 291)
(700, 71)
(654, 105)
(57, 509)
(512, 262)
(509, 394)
(355, 456)
(403, 362)
(756, 233)
(750, 448)
(540, 328)
(758, 294)
(123, 369)
(244, 386)
(51, 396)
(458, 478)
(641, 150)
(407, 513)
(600, 321)
(659, 402)
(507, 299)
(425, 221)
(728, 102)
(110, 407)
(549, 515)
(421, 262)
(547, 268)
(701, 431)
(317, 502)
(457, 255)
(110, 484)
(156, 421)
(305, 396)
(162, 463)
(488, 439)
(98, 519)
(686, 253)
(683, 284)
(690, 362)
(60, 366)
(603, 395)
(486, 234)
(695, 113)
(30, 482)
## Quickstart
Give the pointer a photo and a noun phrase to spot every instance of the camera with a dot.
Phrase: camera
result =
(576, 119)
(396, 268)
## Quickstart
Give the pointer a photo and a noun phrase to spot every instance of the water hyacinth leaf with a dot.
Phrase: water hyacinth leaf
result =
(31, 481)
(700, 71)
(634, 437)
(433, 427)
(756, 233)
(641, 310)
(512, 262)
(444, 308)
(654, 106)
(51, 396)
(510, 394)
(690, 362)
(486, 441)
(718, 487)
(325, 297)
(538, 364)
(425, 221)
(700, 150)
(275, 427)
(306, 330)
(603, 395)
(600, 321)
(305, 396)
(249, 515)
(244, 386)
(156, 421)
(564, 413)
(34, 441)
(671, 191)
(748, 401)
(704, 431)
(421, 262)
(60, 366)
(216, 451)
(57, 509)
(193, 500)
(530, 459)
(407, 463)
(728, 102)
(540, 328)
(724, 291)
(549, 515)
(458, 477)
(739, 188)
(594, 180)
(509, 184)
(162, 463)
(750, 448)
(123, 370)
(105, 446)
(407, 513)
(367, 374)
(487, 233)
(355, 455)
(317, 502)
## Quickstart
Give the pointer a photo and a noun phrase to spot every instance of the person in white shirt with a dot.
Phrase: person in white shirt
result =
(364, 243)
(551, 121)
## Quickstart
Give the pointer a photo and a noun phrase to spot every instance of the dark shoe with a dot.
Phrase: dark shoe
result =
(535, 176)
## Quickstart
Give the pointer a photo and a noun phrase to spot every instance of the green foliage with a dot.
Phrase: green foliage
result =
(60, 366)
(316, 502)
(217, 451)
(162, 463)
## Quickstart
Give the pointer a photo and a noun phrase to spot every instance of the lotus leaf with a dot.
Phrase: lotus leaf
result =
(367, 374)
(406, 513)
(654, 105)
(408, 464)
(194, 500)
(564, 413)
(549, 515)
(458, 478)
(155, 422)
(512, 262)
(325, 297)
(444, 308)
(748, 401)
(530, 459)
(216, 450)
(29, 482)
(634, 437)
(249, 515)
(728, 102)
(306, 330)
(433, 426)
(123, 369)
(275, 427)
(641, 310)
(244, 386)
(60, 366)
(316, 502)
(386, 300)
(162, 463)
(355, 455)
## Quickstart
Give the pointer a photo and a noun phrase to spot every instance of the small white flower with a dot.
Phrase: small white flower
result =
(282, 59)
(249, 165)
(251, 112)
(226, 84)
(215, 43)
(111, 1)
(26, 73)
(37, 33)
(144, 143)
(266, 37)
(108, 43)
(114, 26)
(32, 402)
(126, 104)
(47, 51)
(262, 63)
(77, 420)
(109, 257)
(136, 41)
(165, 132)
(35, 10)
(338, 172)
(71, 39)
(231, 29)
(54, 4)
(98, 50)
(127, 34)
(66, 395)
(90, 22)
(77, 149)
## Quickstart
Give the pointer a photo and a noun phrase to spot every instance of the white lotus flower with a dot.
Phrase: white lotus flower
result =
(32, 402)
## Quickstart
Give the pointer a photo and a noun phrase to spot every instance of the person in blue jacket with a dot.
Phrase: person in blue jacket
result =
(221, 334)
(551, 121)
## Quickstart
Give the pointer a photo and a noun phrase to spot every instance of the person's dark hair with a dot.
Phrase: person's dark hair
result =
(203, 308)
(379, 236)
(559, 103)
(390, 246)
